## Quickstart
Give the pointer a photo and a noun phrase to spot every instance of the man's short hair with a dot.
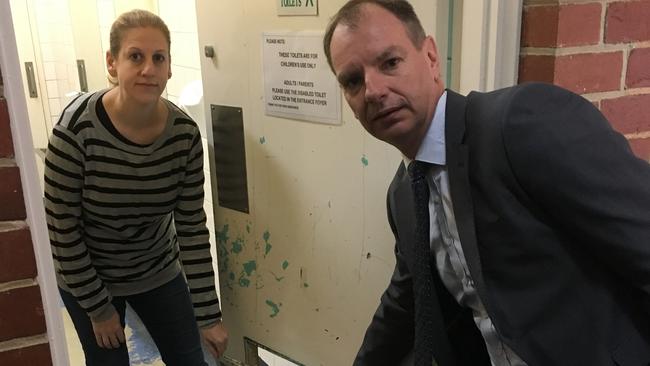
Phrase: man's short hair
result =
(350, 12)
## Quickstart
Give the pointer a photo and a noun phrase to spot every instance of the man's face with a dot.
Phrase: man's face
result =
(390, 84)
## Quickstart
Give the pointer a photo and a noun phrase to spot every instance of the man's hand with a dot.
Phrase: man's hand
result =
(109, 333)
(215, 338)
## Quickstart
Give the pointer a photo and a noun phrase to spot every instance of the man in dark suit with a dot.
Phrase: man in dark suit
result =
(530, 241)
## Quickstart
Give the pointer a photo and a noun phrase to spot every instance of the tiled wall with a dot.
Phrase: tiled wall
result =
(57, 51)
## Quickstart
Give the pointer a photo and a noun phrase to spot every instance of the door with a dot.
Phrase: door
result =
(301, 272)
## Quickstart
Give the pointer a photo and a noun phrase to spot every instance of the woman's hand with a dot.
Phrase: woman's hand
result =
(215, 338)
(109, 333)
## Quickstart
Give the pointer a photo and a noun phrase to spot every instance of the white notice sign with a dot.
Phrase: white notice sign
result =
(298, 83)
(297, 7)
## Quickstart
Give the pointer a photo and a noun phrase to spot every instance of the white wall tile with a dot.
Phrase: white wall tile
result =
(52, 87)
(49, 70)
(47, 52)
(179, 16)
(61, 70)
(106, 13)
(181, 76)
(185, 50)
(55, 106)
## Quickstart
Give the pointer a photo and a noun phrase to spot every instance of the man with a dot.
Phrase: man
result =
(535, 233)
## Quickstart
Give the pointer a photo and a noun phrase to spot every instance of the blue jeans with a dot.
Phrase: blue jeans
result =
(166, 312)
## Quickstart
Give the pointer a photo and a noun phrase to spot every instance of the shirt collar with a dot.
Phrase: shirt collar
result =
(432, 149)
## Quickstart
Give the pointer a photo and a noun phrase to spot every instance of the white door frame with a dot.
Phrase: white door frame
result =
(25, 159)
(490, 44)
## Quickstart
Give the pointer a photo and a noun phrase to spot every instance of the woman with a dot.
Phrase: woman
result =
(124, 200)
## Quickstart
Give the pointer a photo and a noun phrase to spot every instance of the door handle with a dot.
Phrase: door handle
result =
(31, 79)
(81, 71)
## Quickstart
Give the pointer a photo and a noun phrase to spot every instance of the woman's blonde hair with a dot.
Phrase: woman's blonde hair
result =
(135, 19)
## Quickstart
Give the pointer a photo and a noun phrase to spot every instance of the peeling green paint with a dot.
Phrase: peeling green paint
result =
(276, 277)
(305, 285)
(237, 246)
(249, 267)
(285, 264)
(231, 276)
(275, 309)
(244, 282)
(268, 246)
(262, 140)
(222, 236)
(364, 160)
(223, 264)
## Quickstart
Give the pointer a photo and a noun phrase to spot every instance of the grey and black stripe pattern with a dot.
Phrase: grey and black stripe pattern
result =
(123, 218)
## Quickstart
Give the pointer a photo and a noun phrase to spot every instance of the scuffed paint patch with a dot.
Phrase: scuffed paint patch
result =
(275, 308)
(262, 140)
(305, 285)
(276, 277)
(222, 250)
(285, 264)
(249, 267)
(237, 246)
(268, 245)
(364, 160)
(222, 257)
(244, 282)
(222, 235)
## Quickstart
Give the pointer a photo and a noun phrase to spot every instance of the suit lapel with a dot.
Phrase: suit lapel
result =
(457, 168)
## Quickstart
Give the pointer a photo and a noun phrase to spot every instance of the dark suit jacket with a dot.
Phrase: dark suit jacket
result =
(553, 212)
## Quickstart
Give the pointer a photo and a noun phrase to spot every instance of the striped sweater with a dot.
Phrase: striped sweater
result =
(125, 218)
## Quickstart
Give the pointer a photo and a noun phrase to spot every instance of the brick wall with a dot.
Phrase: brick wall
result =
(23, 339)
(599, 49)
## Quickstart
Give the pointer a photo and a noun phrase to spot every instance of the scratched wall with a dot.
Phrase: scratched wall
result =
(303, 272)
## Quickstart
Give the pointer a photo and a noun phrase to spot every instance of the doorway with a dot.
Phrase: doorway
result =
(61, 48)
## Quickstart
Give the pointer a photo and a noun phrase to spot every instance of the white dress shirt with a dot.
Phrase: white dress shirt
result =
(445, 241)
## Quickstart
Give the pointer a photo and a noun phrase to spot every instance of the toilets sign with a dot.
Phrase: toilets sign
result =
(298, 83)
(297, 7)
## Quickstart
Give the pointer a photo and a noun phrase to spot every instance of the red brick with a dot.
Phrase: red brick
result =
(579, 25)
(627, 21)
(11, 195)
(589, 72)
(21, 313)
(641, 148)
(16, 256)
(638, 68)
(628, 114)
(539, 26)
(536, 68)
(35, 355)
(6, 144)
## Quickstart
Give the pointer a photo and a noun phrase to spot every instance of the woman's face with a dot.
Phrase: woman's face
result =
(142, 65)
